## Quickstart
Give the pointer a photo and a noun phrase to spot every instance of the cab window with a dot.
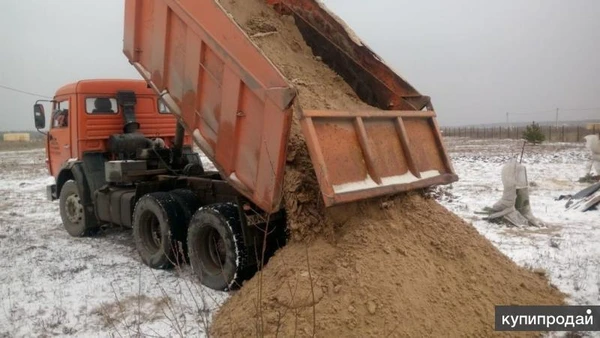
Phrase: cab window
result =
(162, 107)
(60, 114)
(101, 105)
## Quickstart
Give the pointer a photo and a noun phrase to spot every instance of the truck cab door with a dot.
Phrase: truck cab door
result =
(59, 136)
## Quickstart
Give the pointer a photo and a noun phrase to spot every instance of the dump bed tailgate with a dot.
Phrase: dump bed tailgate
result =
(358, 155)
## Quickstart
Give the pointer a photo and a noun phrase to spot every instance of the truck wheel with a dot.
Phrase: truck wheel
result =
(216, 247)
(155, 217)
(74, 217)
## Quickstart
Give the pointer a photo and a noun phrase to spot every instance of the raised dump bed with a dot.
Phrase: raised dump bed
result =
(238, 106)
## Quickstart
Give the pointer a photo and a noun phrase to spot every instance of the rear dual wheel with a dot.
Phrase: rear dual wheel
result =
(155, 220)
(213, 239)
(160, 221)
(216, 247)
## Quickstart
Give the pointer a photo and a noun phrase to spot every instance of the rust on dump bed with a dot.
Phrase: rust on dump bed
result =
(339, 47)
(238, 105)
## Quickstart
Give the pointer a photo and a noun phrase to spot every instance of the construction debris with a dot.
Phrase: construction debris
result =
(513, 207)
(585, 199)
(589, 197)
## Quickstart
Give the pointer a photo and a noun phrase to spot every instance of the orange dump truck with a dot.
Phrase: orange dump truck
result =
(232, 101)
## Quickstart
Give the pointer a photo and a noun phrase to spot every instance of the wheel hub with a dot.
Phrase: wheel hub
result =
(156, 234)
(150, 232)
(216, 249)
(74, 209)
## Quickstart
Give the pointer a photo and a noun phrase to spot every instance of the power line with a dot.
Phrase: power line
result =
(553, 111)
(24, 92)
(533, 112)
(579, 109)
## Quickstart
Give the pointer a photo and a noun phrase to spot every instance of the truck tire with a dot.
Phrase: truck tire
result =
(76, 220)
(216, 248)
(155, 217)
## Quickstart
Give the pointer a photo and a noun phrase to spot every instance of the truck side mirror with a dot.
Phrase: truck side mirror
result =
(39, 116)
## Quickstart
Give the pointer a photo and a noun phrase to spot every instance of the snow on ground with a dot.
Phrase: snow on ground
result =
(53, 284)
(568, 249)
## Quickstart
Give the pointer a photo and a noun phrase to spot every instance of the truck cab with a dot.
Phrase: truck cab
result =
(86, 113)
(120, 157)
(105, 138)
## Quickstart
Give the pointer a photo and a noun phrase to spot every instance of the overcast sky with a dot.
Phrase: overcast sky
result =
(476, 59)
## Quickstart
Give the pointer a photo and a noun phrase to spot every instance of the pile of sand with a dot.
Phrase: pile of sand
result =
(405, 266)
(396, 266)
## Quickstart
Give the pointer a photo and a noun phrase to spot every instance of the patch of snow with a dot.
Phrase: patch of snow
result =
(369, 183)
(568, 248)
(53, 284)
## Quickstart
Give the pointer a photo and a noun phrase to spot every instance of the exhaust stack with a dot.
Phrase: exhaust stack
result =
(127, 100)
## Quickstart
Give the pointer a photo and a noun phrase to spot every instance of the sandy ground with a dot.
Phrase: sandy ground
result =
(53, 284)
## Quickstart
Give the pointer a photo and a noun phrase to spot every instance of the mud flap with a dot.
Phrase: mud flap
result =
(51, 192)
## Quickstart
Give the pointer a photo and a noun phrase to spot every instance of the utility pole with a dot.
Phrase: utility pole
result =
(507, 119)
(556, 118)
